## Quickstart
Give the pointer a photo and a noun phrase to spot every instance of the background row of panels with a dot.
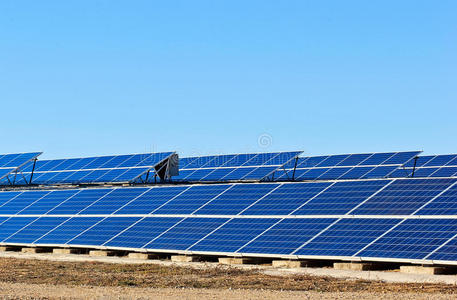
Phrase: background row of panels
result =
(381, 238)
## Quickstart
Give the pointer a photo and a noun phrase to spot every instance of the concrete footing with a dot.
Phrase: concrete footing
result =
(429, 270)
(66, 251)
(235, 260)
(184, 258)
(136, 255)
(354, 266)
(34, 250)
(101, 253)
(288, 264)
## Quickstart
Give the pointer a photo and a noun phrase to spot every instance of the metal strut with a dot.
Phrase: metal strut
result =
(414, 167)
(295, 166)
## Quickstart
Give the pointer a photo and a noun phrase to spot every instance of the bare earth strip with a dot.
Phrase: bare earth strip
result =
(50, 279)
(47, 291)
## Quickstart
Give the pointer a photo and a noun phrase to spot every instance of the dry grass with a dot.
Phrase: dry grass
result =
(157, 276)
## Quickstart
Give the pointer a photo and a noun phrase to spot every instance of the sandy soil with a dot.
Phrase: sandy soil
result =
(45, 279)
(47, 291)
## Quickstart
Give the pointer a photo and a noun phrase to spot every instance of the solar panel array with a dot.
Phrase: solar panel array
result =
(10, 163)
(429, 166)
(383, 219)
(98, 169)
(345, 166)
(233, 167)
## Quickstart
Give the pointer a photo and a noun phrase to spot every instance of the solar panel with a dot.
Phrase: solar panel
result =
(286, 236)
(233, 235)
(347, 236)
(429, 166)
(382, 219)
(412, 239)
(404, 196)
(345, 166)
(98, 169)
(232, 167)
(11, 164)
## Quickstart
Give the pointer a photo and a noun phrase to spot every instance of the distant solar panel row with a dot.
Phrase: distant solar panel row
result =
(9, 163)
(346, 166)
(99, 169)
(232, 167)
(429, 166)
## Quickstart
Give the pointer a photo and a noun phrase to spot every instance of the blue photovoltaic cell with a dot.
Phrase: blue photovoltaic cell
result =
(113, 201)
(380, 172)
(334, 173)
(447, 251)
(333, 160)
(238, 174)
(235, 199)
(412, 239)
(78, 202)
(445, 204)
(377, 159)
(419, 161)
(21, 201)
(7, 196)
(217, 174)
(281, 158)
(186, 233)
(48, 202)
(347, 237)
(143, 232)
(440, 160)
(424, 172)
(12, 225)
(445, 172)
(341, 197)
(67, 230)
(354, 159)
(309, 162)
(403, 197)
(401, 158)
(233, 235)
(34, 230)
(260, 172)
(311, 174)
(6, 171)
(400, 173)
(16, 160)
(103, 231)
(151, 200)
(356, 172)
(286, 236)
(191, 199)
(286, 198)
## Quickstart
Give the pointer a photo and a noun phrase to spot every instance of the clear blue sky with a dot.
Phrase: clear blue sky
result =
(81, 78)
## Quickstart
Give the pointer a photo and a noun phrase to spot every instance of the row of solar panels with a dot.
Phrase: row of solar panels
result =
(360, 197)
(280, 166)
(137, 168)
(357, 166)
(388, 239)
(313, 219)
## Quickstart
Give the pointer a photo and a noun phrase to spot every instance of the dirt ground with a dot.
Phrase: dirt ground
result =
(40, 279)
